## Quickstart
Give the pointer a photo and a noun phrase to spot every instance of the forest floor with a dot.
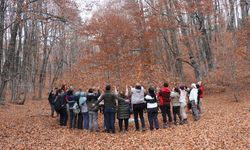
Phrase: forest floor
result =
(224, 125)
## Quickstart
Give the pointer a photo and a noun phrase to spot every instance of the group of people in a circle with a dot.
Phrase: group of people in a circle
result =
(83, 107)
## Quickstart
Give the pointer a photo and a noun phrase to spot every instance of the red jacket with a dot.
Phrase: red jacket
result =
(164, 96)
(202, 91)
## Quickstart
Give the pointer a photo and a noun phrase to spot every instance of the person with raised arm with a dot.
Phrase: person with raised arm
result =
(139, 104)
(152, 109)
(164, 101)
(92, 98)
(193, 98)
(123, 111)
(109, 99)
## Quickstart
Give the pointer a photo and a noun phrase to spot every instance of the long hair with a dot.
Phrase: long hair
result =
(151, 92)
(177, 90)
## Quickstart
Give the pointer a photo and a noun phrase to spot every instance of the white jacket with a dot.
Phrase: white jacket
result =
(193, 95)
(137, 96)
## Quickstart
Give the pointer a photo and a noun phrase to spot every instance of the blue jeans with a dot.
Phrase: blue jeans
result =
(110, 118)
(93, 117)
(85, 120)
(152, 118)
(72, 119)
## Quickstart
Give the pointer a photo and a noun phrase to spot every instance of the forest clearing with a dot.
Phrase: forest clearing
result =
(224, 125)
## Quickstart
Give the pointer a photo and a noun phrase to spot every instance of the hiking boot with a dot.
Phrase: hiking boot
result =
(181, 123)
(143, 129)
(164, 125)
(175, 123)
(170, 124)
(196, 118)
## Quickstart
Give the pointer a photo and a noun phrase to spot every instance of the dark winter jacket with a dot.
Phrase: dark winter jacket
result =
(51, 97)
(91, 101)
(71, 101)
(123, 110)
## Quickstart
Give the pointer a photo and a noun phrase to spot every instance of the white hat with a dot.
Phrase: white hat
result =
(193, 85)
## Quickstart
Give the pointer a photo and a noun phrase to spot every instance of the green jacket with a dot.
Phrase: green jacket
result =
(110, 99)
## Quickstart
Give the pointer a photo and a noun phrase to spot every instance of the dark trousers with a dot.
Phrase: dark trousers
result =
(72, 119)
(121, 124)
(165, 110)
(63, 117)
(110, 119)
(52, 110)
(176, 111)
(79, 120)
(138, 111)
(152, 118)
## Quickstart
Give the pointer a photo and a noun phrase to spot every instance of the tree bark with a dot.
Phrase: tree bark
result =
(2, 11)
(8, 65)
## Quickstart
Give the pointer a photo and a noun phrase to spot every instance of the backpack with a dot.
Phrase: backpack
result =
(76, 108)
(92, 106)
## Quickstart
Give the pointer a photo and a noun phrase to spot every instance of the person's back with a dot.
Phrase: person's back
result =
(92, 98)
(183, 95)
(200, 95)
(152, 109)
(182, 100)
(139, 104)
(82, 101)
(51, 97)
(164, 96)
(193, 100)
(193, 95)
(109, 99)
(175, 95)
(175, 98)
(70, 99)
(137, 96)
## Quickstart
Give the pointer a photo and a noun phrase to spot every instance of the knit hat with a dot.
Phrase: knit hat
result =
(193, 85)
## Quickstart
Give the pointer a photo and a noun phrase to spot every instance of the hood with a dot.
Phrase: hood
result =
(165, 89)
(91, 94)
(148, 97)
(139, 90)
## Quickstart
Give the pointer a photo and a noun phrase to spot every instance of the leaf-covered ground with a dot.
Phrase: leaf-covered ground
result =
(224, 125)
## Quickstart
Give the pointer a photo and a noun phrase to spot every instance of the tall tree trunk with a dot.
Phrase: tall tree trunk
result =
(2, 11)
(192, 59)
(232, 23)
(8, 65)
